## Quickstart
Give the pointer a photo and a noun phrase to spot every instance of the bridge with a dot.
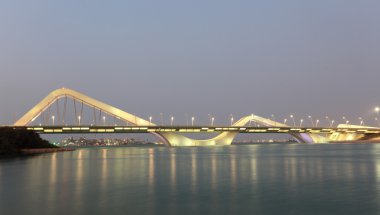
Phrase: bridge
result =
(174, 135)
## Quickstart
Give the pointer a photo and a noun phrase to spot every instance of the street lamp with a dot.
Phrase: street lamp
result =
(301, 121)
(311, 119)
(316, 123)
(212, 121)
(150, 120)
(232, 120)
(360, 121)
(104, 120)
(285, 120)
(377, 109)
(332, 123)
(171, 120)
(294, 122)
(192, 121)
(53, 118)
(79, 118)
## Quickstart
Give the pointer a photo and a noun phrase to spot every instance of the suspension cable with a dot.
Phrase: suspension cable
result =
(81, 112)
(64, 111)
(58, 113)
(100, 115)
(75, 111)
(94, 116)
(48, 115)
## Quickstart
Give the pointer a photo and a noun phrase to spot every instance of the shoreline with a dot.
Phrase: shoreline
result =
(44, 150)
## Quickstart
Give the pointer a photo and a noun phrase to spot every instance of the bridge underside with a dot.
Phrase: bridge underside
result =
(174, 138)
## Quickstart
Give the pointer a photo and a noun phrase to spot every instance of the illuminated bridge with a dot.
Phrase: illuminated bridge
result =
(196, 129)
(170, 135)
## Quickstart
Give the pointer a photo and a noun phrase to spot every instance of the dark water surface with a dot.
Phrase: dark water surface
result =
(256, 179)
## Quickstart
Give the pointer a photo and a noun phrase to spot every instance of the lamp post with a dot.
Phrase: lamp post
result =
(171, 120)
(104, 120)
(162, 118)
(212, 121)
(301, 121)
(53, 118)
(150, 120)
(332, 123)
(360, 121)
(285, 120)
(192, 121)
(294, 122)
(79, 118)
(232, 120)
(316, 123)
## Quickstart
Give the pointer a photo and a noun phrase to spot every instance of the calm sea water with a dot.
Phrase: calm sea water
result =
(255, 179)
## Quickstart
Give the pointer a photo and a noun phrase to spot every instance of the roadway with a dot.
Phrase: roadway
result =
(194, 129)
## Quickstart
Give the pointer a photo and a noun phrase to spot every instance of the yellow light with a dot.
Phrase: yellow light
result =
(273, 129)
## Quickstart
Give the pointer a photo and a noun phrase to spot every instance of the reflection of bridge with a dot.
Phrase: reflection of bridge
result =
(171, 134)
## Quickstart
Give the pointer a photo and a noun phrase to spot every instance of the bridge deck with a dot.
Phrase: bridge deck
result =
(193, 129)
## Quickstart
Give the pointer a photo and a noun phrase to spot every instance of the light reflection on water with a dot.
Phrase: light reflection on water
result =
(261, 179)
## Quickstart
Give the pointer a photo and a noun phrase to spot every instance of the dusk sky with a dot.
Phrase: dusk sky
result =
(197, 57)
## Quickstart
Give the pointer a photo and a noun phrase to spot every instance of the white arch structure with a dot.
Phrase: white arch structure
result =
(172, 139)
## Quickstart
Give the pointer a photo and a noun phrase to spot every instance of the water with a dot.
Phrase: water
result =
(256, 179)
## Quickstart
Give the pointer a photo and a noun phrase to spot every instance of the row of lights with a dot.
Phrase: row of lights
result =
(331, 122)
(79, 120)
(212, 119)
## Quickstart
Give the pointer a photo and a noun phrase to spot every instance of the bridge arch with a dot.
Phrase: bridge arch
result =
(173, 139)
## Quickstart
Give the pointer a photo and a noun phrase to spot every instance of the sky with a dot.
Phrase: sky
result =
(197, 57)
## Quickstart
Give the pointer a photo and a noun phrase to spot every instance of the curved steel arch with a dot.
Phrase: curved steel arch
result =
(173, 139)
